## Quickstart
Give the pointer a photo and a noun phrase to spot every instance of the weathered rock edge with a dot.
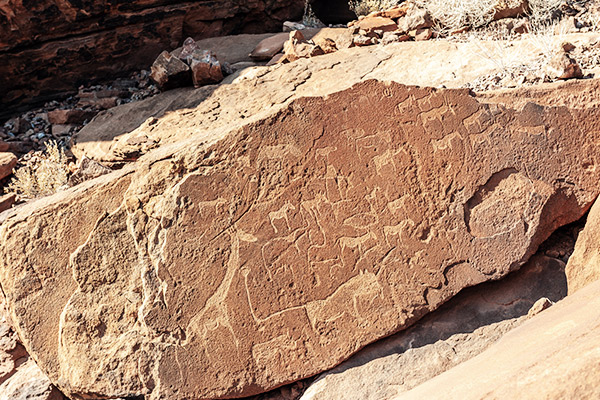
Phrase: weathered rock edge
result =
(226, 266)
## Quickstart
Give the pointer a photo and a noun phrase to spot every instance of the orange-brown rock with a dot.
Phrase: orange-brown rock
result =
(461, 329)
(51, 46)
(7, 162)
(555, 355)
(298, 47)
(233, 263)
(583, 267)
(369, 24)
(510, 8)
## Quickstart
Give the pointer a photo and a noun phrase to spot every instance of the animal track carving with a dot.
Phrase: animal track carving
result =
(302, 238)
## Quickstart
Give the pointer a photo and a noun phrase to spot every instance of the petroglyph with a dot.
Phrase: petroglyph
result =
(280, 250)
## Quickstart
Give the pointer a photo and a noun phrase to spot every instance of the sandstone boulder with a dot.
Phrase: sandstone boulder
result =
(170, 72)
(583, 267)
(554, 355)
(7, 162)
(233, 263)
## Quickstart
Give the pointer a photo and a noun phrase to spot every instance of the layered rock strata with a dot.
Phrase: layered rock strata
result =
(233, 263)
(53, 46)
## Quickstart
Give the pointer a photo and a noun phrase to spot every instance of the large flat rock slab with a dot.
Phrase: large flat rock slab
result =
(555, 355)
(228, 265)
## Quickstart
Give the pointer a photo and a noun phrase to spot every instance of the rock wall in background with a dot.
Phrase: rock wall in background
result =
(51, 46)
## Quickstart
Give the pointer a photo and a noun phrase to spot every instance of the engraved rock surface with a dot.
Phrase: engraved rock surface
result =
(230, 264)
(457, 331)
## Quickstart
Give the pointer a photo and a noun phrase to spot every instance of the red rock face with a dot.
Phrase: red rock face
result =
(51, 46)
(276, 251)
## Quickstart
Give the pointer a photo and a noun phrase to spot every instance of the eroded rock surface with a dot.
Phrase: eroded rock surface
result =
(233, 263)
(459, 330)
(583, 267)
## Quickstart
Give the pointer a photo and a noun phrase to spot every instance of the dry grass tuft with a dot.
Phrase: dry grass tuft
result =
(365, 7)
(43, 175)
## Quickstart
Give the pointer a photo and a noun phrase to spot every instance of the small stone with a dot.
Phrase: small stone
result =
(7, 201)
(521, 27)
(563, 66)
(423, 34)
(189, 46)
(539, 306)
(205, 67)
(391, 37)
(289, 26)
(362, 40)
(7, 162)
(170, 72)
(267, 48)
(567, 47)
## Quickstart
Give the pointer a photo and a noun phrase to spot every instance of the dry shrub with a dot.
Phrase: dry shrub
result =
(457, 14)
(365, 7)
(43, 175)
(541, 11)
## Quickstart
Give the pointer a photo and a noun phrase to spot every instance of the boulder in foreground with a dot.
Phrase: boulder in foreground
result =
(228, 265)
(583, 267)
(555, 355)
